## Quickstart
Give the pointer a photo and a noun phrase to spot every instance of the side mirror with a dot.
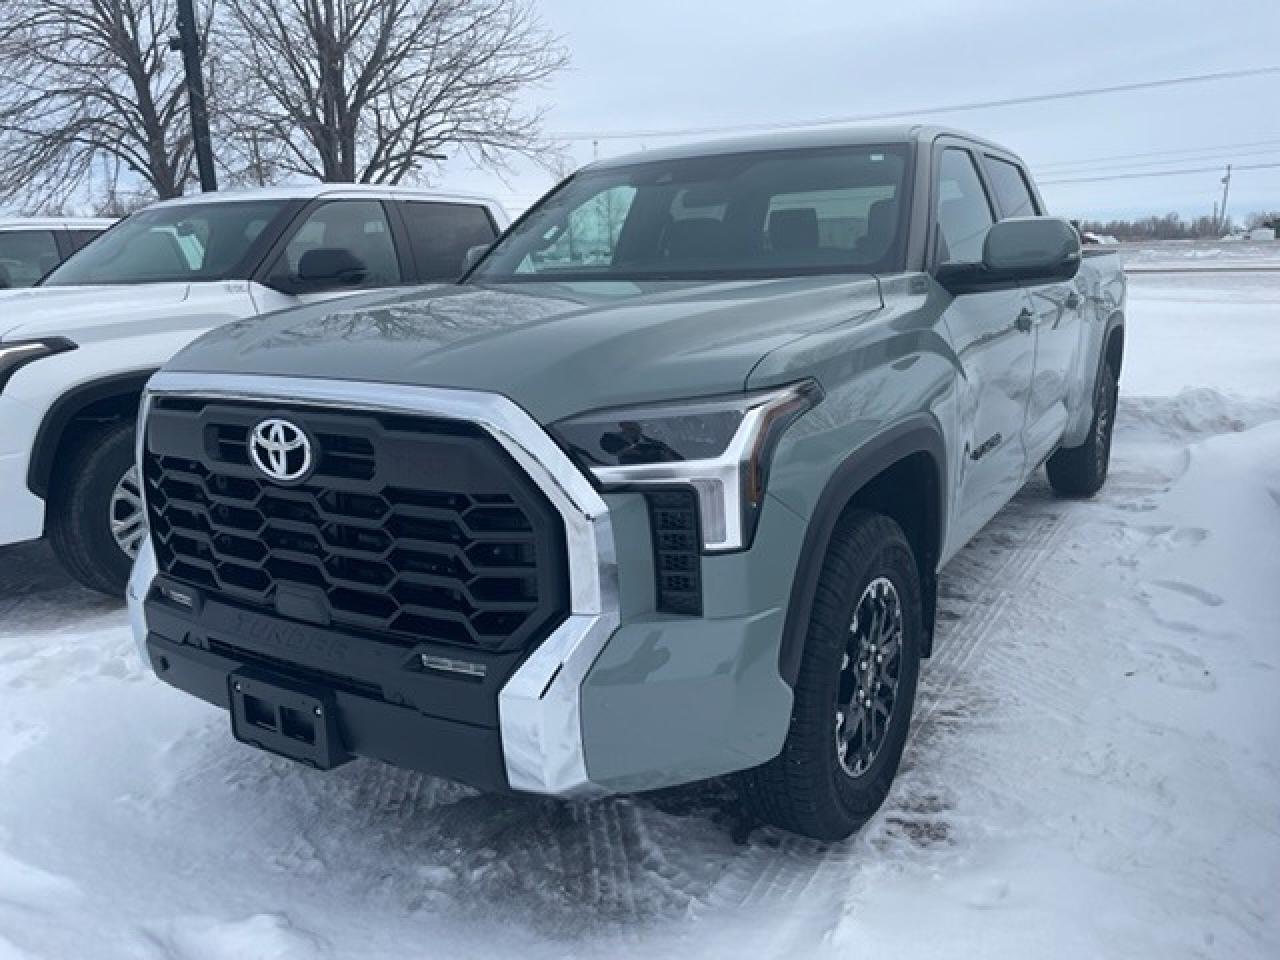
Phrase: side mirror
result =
(474, 255)
(1027, 250)
(327, 268)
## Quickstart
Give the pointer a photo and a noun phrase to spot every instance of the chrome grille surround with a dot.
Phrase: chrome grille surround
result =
(539, 707)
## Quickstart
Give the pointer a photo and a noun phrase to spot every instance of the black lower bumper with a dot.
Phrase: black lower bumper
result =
(365, 726)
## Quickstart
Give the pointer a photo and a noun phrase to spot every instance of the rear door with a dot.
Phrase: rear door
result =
(990, 332)
(1056, 320)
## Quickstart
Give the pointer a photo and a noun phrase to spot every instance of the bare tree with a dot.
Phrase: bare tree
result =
(91, 92)
(371, 90)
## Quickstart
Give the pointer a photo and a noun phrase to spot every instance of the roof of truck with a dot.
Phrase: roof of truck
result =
(55, 223)
(834, 136)
(310, 191)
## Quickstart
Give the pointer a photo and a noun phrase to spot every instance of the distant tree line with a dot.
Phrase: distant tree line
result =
(1171, 226)
(93, 104)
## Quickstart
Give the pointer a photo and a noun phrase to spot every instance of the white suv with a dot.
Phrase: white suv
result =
(76, 351)
(30, 247)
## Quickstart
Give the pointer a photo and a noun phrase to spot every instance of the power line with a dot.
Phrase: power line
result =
(918, 111)
(1231, 148)
(1268, 152)
(1162, 173)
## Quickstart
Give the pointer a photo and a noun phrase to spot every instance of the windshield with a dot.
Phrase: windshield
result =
(186, 242)
(766, 214)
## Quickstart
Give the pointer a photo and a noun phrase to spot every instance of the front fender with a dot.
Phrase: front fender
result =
(919, 433)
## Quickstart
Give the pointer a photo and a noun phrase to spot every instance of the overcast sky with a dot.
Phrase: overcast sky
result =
(665, 64)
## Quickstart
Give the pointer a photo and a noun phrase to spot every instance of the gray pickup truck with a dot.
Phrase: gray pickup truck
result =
(658, 492)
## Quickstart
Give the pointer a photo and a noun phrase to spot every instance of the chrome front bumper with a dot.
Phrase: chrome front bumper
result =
(540, 707)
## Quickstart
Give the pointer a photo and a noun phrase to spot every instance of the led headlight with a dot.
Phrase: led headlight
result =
(721, 447)
(16, 355)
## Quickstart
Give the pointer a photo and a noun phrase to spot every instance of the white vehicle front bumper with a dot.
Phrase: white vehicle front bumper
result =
(21, 511)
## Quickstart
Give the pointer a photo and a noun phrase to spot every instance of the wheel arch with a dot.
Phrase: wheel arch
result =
(900, 472)
(97, 401)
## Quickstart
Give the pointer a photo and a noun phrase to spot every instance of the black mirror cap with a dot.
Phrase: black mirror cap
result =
(1017, 252)
(328, 268)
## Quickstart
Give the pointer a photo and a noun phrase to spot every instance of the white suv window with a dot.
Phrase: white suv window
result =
(26, 256)
(358, 226)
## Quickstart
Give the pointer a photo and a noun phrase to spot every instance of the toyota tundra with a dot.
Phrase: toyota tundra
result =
(658, 492)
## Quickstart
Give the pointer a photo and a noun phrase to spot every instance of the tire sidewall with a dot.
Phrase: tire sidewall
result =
(854, 799)
(85, 503)
(1108, 395)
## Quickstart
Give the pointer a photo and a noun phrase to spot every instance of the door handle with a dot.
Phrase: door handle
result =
(1073, 300)
(1025, 320)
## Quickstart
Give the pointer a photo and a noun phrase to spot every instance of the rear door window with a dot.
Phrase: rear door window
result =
(26, 256)
(442, 233)
(79, 237)
(1011, 189)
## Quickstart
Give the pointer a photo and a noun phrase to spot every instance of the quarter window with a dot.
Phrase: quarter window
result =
(1011, 190)
(964, 212)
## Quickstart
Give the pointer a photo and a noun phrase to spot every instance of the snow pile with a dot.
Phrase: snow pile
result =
(1093, 771)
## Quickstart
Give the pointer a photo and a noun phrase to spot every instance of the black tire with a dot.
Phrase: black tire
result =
(1081, 471)
(80, 508)
(808, 789)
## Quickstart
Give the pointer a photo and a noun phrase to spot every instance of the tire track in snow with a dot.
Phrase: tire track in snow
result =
(960, 645)
(797, 877)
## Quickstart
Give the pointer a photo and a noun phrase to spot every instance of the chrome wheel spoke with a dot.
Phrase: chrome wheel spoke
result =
(126, 517)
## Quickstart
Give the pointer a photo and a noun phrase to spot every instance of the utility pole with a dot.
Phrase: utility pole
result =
(188, 43)
(1226, 187)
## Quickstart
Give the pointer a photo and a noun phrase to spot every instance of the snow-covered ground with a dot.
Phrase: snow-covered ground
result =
(1095, 768)
(1188, 254)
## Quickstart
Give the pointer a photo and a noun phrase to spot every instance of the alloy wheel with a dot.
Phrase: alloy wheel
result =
(869, 676)
(127, 517)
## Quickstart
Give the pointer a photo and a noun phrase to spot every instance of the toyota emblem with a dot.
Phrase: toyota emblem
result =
(281, 450)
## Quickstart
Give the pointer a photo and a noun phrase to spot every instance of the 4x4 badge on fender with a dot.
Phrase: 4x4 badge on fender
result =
(281, 450)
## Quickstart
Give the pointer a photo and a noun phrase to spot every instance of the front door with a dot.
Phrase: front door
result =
(359, 227)
(992, 335)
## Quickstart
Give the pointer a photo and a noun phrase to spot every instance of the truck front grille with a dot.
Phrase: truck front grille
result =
(410, 529)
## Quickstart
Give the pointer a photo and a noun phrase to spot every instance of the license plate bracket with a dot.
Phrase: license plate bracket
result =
(294, 720)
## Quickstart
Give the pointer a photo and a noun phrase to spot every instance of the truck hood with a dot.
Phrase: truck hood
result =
(555, 349)
(86, 314)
